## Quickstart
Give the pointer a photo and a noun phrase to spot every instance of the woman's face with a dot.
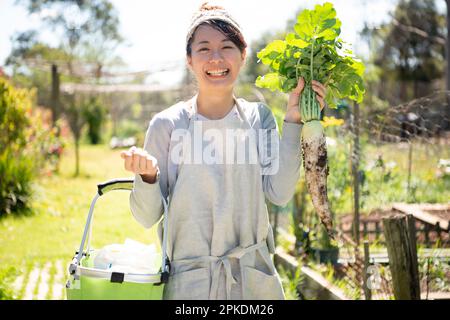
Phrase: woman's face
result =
(215, 60)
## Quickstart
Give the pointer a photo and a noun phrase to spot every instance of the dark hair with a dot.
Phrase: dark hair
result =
(226, 29)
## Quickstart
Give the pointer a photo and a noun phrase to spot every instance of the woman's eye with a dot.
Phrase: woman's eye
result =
(228, 47)
(203, 49)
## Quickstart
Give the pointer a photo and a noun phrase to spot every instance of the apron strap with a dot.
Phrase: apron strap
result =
(223, 263)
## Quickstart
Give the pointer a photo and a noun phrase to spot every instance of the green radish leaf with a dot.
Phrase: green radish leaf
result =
(277, 46)
(332, 96)
(289, 84)
(292, 40)
(270, 81)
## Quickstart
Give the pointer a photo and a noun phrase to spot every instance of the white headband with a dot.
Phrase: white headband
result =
(205, 15)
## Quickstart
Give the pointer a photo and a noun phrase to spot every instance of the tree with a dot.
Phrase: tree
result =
(87, 32)
(92, 22)
(74, 114)
(94, 114)
(410, 49)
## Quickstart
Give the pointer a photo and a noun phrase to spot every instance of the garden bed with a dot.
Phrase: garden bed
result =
(313, 285)
(345, 279)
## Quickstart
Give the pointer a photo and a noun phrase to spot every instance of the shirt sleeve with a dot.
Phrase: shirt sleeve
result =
(145, 198)
(281, 158)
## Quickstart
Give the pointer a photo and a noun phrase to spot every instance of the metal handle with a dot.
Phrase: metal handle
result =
(116, 184)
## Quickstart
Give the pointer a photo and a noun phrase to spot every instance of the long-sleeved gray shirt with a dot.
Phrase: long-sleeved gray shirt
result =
(145, 199)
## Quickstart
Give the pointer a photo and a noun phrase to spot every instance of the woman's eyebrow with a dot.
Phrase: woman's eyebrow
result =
(206, 41)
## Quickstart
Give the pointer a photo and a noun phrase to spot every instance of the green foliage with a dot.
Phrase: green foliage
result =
(85, 37)
(291, 282)
(314, 52)
(14, 106)
(434, 273)
(48, 145)
(16, 166)
(408, 50)
(17, 174)
(346, 284)
(339, 179)
(319, 238)
(397, 47)
(25, 147)
(94, 114)
(80, 21)
(128, 128)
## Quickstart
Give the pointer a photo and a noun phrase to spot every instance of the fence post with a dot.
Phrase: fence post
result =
(355, 169)
(427, 235)
(377, 230)
(367, 291)
(399, 231)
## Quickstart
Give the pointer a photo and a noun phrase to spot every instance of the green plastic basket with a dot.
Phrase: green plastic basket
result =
(88, 283)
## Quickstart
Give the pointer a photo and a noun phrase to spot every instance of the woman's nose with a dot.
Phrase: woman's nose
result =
(215, 56)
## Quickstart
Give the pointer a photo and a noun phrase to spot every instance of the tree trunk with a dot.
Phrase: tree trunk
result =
(54, 99)
(77, 156)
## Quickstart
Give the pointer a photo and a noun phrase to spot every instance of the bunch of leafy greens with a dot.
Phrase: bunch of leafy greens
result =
(313, 52)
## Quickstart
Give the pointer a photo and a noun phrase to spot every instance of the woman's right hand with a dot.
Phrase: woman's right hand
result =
(140, 162)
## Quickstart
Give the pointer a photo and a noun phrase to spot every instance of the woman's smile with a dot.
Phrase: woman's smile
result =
(218, 73)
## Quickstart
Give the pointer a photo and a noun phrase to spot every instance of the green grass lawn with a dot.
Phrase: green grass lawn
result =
(60, 208)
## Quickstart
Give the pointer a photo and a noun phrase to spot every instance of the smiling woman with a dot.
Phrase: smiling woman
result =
(216, 51)
(215, 61)
(220, 239)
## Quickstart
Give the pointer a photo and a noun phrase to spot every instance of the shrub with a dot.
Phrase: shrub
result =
(94, 114)
(16, 166)
(128, 128)
(15, 104)
(25, 147)
(17, 174)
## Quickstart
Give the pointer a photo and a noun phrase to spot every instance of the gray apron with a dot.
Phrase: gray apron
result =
(219, 235)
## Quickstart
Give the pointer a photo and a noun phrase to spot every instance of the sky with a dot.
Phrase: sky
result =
(155, 30)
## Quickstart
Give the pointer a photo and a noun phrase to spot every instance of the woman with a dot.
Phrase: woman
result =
(219, 234)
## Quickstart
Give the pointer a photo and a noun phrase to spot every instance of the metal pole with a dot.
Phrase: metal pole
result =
(408, 190)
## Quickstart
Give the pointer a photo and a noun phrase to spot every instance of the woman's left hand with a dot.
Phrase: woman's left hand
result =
(293, 112)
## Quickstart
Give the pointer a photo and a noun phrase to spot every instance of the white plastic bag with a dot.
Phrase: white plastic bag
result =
(130, 257)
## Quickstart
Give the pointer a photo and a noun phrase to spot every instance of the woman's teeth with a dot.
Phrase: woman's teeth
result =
(221, 72)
